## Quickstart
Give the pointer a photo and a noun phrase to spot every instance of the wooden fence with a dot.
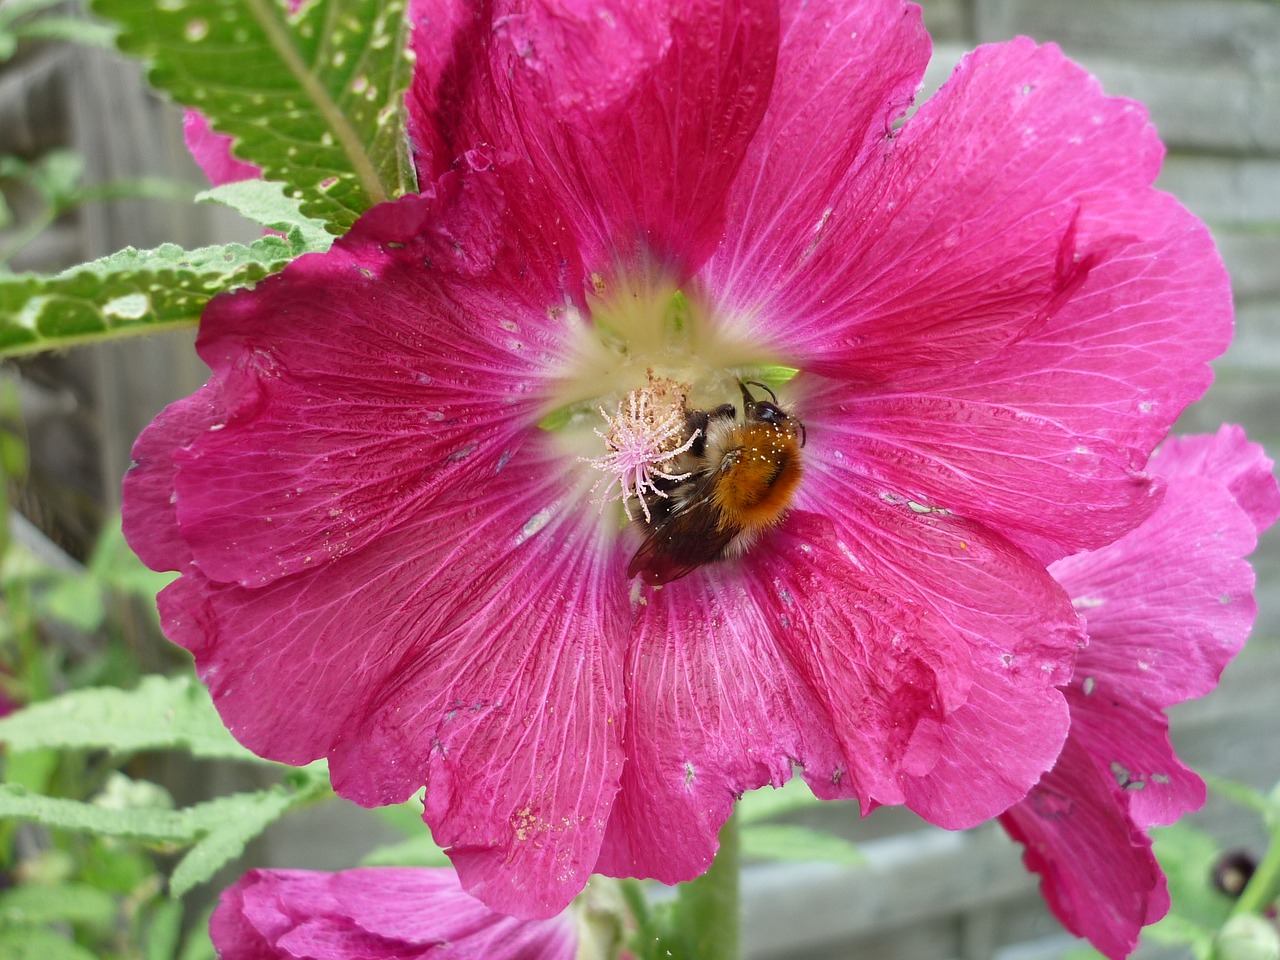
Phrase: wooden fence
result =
(1209, 71)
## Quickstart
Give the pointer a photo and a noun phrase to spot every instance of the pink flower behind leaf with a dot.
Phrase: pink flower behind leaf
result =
(382, 502)
(374, 914)
(212, 151)
(1167, 606)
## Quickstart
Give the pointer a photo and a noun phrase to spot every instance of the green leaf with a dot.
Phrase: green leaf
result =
(314, 99)
(120, 868)
(147, 826)
(164, 932)
(160, 713)
(39, 944)
(405, 817)
(784, 841)
(419, 851)
(133, 291)
(75, 599)
(115, 564)
(240, 818)
(1188, 857)
(768, 802)
(198, 946)
(264, 202)
(1083, 953)
(218, 828)
(75, 903)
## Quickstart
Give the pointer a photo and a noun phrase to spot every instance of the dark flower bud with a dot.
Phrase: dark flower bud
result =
(1233, 870)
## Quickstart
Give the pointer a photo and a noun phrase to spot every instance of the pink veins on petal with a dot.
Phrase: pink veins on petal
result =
(384, 504)
(387, 913)
(1167, 605)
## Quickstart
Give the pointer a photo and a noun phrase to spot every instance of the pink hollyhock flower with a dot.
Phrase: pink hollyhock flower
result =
(212, 151)
(374, 914)
(386, 504)
(1167, 606)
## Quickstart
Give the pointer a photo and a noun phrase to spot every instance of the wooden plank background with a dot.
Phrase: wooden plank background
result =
(1209, 71)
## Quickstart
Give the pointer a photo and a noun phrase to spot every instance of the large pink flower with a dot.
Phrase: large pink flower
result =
(374, 914)
(1167, 605)
(382, 502)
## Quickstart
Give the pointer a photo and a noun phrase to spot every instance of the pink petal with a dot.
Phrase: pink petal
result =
(1232, 460)
(212, 151)
(845, 72)
(475, 649)
(1024, 475)
(1076, 405)
(151, 519)
(445, 34)
(714, 708)
(1097, 871)
(358, 387)
(1167, 606)
(994, 616)
(1128, 739)
(384, 913)
(968, 229)
(636, 114)
(946, 703)
(1120, 360)
(1171, 603)
(514, 719)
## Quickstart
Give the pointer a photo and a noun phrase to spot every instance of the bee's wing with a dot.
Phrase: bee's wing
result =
(689, 537)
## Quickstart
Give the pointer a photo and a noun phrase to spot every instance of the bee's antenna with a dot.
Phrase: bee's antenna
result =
(743, 384)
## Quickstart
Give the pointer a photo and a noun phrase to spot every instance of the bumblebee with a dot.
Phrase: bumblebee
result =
(740, 478)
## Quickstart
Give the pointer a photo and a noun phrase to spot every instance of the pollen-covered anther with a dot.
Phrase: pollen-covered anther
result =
(644, 438)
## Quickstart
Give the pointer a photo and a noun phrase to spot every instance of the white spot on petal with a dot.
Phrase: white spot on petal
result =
(533, 525)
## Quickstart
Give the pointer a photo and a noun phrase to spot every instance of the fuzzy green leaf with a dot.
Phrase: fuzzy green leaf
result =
(315, 99)
(784, 841)
(145, 825)
(160, 713)
(223, 821)
(133, 291)
(241, 818)
(264, 202)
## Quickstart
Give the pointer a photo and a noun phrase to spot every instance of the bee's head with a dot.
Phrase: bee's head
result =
(768, 411)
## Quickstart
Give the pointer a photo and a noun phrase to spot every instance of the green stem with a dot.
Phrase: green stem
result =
(706, 926)
(1263, 888)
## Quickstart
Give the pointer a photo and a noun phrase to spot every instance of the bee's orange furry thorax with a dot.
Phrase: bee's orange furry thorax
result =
(758, 477)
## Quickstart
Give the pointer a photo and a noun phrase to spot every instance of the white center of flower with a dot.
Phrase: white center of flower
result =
(645, 436)
(652, 355)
